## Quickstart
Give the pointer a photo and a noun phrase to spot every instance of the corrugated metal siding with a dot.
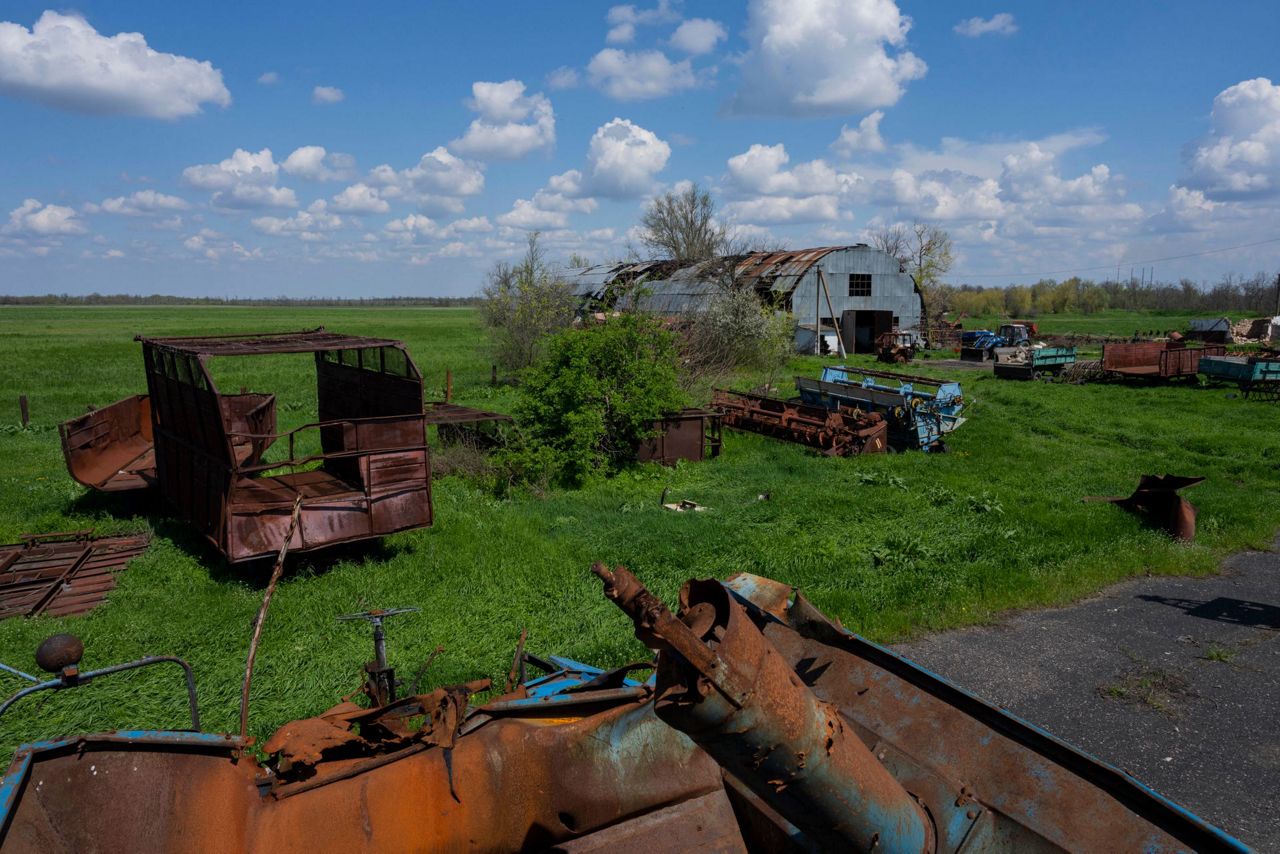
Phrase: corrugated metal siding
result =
(668, 290)
(891, 290)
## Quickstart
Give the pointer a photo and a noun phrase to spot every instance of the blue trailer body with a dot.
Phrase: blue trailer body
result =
(1257, 376)
(920, 411)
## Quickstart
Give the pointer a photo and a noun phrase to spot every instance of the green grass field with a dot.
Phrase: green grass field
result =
(889, 544)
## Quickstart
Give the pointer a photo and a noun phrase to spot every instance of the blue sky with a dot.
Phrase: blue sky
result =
(326, 149)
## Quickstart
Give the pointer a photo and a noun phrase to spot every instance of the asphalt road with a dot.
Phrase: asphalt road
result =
(1175, 680)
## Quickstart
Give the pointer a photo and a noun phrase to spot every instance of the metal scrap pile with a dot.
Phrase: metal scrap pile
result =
(765, 727)
(840, 432)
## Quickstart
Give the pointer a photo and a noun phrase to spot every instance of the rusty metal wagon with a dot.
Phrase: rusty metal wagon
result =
(206, 449)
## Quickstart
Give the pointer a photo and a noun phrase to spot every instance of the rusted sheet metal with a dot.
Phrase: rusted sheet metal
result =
(205, 449)
(111, 449)
(1157, 499)
(834, 432)
(765, 727)
(1156, 359)
(691, 434)
(721, 683)
(61, 574)
(779, 271)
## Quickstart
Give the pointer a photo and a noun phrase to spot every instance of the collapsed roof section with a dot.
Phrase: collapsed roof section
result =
(670, 287)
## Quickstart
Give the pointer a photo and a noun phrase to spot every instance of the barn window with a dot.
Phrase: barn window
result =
(859, 284)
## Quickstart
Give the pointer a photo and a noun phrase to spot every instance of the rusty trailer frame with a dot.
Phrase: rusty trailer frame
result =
(1155, 359)
(205, 449)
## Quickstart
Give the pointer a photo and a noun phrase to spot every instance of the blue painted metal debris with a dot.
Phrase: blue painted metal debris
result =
(921, 411)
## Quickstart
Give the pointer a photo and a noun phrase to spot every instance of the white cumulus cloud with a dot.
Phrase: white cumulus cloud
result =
(327, 95)
(64, 62)
(317, 164)
(32, 217)
(639, 75)
(269, 78)
(1000, 24)
(510, 123)
(624, 19)
(697, 36)
(824, 57)
(306, 225)
(243, 180)
(623, 159)
(865, 137)
(360, 198)
(144, 202)
(1240, 157)
(761, 169)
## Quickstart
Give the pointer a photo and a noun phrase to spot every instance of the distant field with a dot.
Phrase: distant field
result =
(891, 544)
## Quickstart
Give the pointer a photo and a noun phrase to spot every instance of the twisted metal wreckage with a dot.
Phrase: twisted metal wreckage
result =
(765, 727)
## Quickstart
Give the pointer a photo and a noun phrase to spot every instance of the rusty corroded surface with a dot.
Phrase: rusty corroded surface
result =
(766, 727)
(205, 449)
(690, 434)
(1156, 498)
(834, 432)
(62, 574)
(1155, 359)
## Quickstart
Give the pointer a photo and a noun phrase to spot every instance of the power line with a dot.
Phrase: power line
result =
(1108, 266)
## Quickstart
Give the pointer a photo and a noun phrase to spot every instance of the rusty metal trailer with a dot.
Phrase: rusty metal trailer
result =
(62, 573)
(206, 449)
(1155, 359)
(765, 726)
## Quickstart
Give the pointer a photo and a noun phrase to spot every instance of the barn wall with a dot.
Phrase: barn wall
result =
(891, 290)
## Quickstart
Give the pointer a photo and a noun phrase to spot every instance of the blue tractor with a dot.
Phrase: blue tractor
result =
(979, 345)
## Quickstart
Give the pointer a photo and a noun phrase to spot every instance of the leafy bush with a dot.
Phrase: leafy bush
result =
(585, 405)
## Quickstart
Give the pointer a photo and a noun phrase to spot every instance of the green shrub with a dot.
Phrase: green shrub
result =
(587, 402)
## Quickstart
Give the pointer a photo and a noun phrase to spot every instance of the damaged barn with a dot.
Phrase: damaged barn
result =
(853, 294)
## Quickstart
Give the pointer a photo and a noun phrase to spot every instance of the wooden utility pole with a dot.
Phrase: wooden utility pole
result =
(839, 335)
(1277, 311)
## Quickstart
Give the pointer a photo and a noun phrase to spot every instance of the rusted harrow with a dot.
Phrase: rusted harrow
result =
(838, 433)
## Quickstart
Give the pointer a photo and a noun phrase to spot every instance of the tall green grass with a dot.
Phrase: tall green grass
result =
(891, 545)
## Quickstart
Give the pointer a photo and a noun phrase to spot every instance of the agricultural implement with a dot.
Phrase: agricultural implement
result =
(841, 432)
(920, 411)
(1155, 359)
(1257, 376)
(1031, 363)
(206, 449)
(764, 727)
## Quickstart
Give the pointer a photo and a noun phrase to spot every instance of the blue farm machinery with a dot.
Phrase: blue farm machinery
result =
(763, 726)
(979, 345)
(920, 411)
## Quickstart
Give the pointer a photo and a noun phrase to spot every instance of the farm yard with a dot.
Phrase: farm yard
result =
(892, 545)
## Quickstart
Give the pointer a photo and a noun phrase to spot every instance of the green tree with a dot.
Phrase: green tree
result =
(522, 304)
(586, 404)
(682, 226)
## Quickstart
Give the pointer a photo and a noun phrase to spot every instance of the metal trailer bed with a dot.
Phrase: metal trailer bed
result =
(1257, 376)
(1155, 359)
(1022, 363)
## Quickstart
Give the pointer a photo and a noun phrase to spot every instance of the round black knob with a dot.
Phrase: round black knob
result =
(59, 651)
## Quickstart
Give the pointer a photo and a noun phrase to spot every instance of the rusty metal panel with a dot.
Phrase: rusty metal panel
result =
(691, 434)
(60, 574)
(111, 449)
(1163, 359)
